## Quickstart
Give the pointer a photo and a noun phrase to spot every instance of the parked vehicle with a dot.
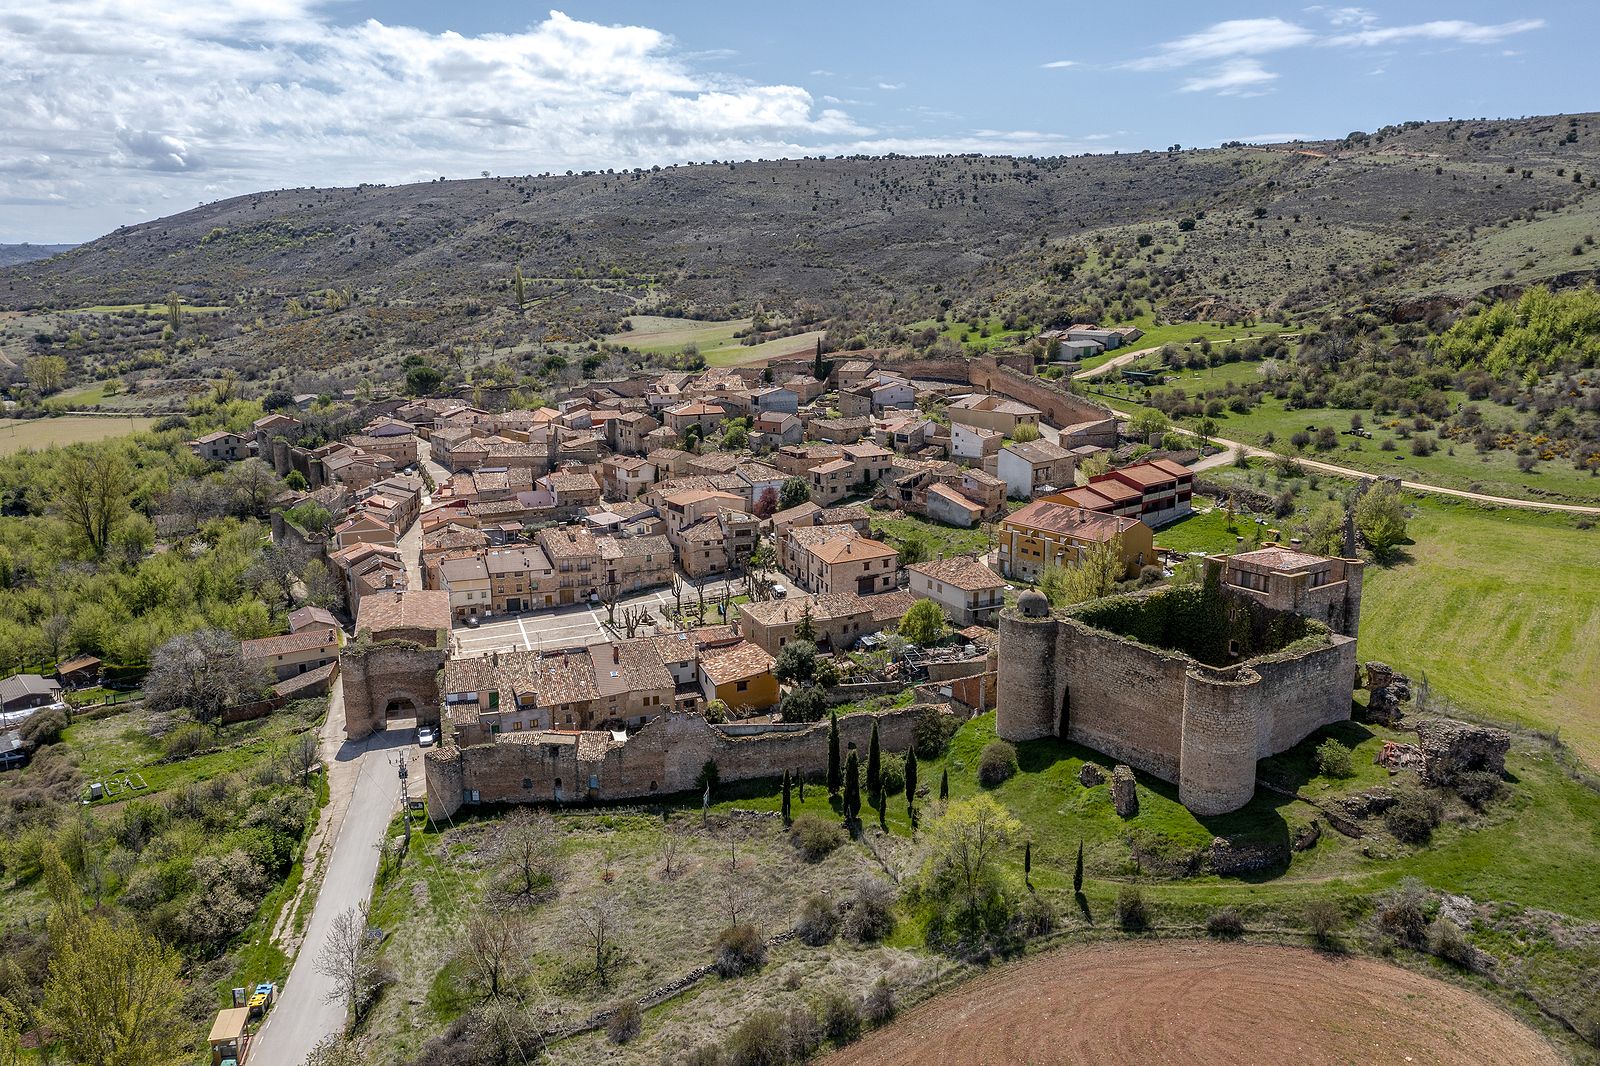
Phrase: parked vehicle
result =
(426, 737)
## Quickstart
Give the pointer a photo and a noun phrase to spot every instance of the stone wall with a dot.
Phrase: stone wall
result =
(1122, 698)
(376, 673)
(1060, 407)
(666, 755)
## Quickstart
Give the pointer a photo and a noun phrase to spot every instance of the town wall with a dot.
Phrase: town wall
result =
(1122, 698)
(666, 755)
(376, 673)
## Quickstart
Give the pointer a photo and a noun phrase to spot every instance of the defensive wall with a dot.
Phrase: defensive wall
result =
(666, 755)
(1122, 676)
(397, 675)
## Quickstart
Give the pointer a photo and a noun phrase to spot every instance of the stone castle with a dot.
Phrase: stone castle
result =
(1190, 684)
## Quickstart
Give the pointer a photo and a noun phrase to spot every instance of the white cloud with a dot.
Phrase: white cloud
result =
(1060, 64)
(891, 86)
(1449, 30)
(1236, 77)
(1235, 37)
(117, 108)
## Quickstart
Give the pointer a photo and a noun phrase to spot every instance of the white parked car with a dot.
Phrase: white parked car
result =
(426, 737)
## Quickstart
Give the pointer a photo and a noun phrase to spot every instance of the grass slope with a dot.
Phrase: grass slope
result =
(21, 434)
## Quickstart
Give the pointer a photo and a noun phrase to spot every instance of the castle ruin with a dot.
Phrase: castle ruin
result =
(1191, 684)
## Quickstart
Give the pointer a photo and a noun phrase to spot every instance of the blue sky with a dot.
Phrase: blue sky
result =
(124, 110)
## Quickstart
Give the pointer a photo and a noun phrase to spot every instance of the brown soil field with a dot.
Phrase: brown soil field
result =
(1174, 1002)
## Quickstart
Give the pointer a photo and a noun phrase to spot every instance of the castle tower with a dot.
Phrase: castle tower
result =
(1027, 706)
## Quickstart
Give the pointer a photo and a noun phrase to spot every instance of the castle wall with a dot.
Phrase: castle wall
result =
(1122, 698)
(374, 674)
(666, 755)
(1223, 713)
(1309, 691)
(1029, 697)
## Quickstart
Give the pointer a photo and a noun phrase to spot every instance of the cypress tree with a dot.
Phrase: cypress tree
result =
(1077, 873)
(911, 777)
(852, 787)
(519, 287)
(874, 768)
(1027, 862)
(833, 753)
(944, 784)
(786, 818)
(883, 818)
(817, 370)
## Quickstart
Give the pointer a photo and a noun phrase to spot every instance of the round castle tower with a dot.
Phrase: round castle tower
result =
(1026, 709)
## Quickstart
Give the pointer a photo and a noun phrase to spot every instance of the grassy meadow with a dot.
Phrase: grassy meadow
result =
(19, 434)
(715, 340)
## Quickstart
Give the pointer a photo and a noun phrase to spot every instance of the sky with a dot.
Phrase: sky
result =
(121, 111)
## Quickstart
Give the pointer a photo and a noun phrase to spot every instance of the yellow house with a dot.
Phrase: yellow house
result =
(739, 674)
(1046, 533)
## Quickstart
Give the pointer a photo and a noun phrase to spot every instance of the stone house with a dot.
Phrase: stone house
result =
(292, 654)
(945, 504)
(521, 578)
(575, 555)
(824, 559)
(223, 446)
(631, 564)
(969, 592)
(776, 430)
(1034, 468)
(739, 674)
(837, 619)
(974, 444)
(466, 579)
(992, 412)
(705, 416)
(626, 478)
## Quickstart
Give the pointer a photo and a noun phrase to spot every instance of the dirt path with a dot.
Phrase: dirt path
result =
(1229, 446)
(1202, 1002)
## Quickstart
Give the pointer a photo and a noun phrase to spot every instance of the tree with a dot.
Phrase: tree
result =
(112, 996)
(796, 662)
(174, 311)
(349, 959)
(1095, 574)
(819, 369)
(875, 769)
(1077, 872)
(967, 843)
(91, 489)
(766, 503)
(1381, 518)
(911, 784)
(204, 673)
(852, 787)
(924, 623)
(944, 785)
(597, 926)
(493, 951)
(46, 373)
(914, 549)
(321, 591)
(833, 754)
(806, 628)
(422, 380)
(527, 855)
(787, 819)
(251, 484)
(1027, 862)
(794, 492)
(519, 286)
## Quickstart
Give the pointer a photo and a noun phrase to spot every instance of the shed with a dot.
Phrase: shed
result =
(79, 670)
(228, 1037)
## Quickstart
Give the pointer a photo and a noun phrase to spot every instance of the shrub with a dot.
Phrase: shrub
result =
(932, 733)
(997, 763)
(185, 740)
(1414, 817)
(871, 914)
(1333, 759)
(880, 1005)
(1035, 916)
(1478, 788)
(816, 922)
(1226, 923)
(840, 1016)
(1403, 913)
(816, 836)
(740, 949)
(892, 773)
(1448, 941)
(761, 1040)
(1324, 918)
(624, 1023)
(1131, 913)
(42, 728)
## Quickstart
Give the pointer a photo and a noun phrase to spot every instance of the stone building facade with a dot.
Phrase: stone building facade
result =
(666, 755)
(1189, 685)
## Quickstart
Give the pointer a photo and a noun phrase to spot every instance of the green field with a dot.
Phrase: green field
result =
(715, 340)
(1181, 333)
(19, 434)
(942, 540)
(1501, 610)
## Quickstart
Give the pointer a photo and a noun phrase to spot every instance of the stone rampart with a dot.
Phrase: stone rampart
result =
(666, 755)
(396, 672)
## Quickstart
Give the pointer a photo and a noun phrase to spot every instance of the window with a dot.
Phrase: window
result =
(743, 686)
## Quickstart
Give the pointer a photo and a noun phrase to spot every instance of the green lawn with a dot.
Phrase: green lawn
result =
(1207, 529)
(942, 540)
(1501, 609)
(715, 340)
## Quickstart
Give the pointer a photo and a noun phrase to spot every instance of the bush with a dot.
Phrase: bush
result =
(624, 1023)
(760, 1041)
(1131, 913)
(840, 1016)
(740, 949)
(997, 763)
(42, 728)
(1324, 918)
(816, 922)
(880, 1005)
(1403, 913)
(892, 773)
(1035, 916)
(1448, 941)
(1478, 788)
(932, 732)
(1226, 923)
(1414, 817)
(185, 741)
(816, 836)
(871, 914)
(1333, 759)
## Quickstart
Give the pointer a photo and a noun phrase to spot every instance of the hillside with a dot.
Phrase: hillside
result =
(11, 254)
(1393, 219)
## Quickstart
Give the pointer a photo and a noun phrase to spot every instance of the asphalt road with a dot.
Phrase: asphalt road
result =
(364, 793)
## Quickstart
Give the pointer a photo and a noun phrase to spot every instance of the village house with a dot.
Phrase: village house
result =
(466, 579)
(837, 620)
(573, 552)
(632, 564)
(1034, 468)
(775, 430)
(739, 674)
(699, 414)
(520, 578)
(223, 446)
(974, 444)
(291, 654)
(22, 692)
(625, 477)
(992, 412)
(847, 430)
(823, 559)
(1049, 533)
(1156, 492)
(969, 592)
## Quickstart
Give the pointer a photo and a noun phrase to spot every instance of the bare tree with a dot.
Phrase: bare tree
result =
(494, 950)
(677, 595)
(669, 848)
(204, 672)
(597, 926)
(527, 852)
(738, 897)
(349, 959)
(304, 754)
(608, 599)
(251, 484)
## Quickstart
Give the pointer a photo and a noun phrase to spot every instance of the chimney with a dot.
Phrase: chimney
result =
(616, 654)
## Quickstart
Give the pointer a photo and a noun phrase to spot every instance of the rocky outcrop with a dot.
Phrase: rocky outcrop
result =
(1305, 837)
(1367, 804)
(1386, 692)
(1124, 791)
(1091, 775)
(1230, 858)
(1451, 748)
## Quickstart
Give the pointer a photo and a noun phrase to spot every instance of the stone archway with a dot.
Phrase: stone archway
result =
(386, 682)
